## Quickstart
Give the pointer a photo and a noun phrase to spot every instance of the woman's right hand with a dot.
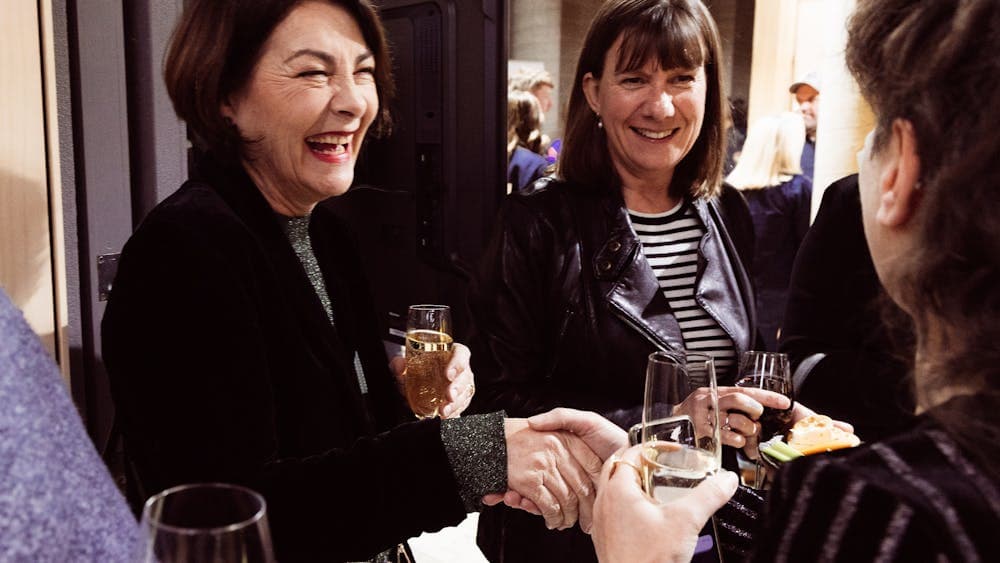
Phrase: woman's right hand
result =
(739, 410)
(630, 526)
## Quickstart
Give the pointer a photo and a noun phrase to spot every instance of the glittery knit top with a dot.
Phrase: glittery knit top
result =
(57, 500)
(473, 443)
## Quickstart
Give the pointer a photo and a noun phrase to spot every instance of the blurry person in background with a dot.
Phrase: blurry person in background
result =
(540, 85)
(806, 91)
(930, 199)
(240, 339)
(537, 83)
(779, 196)
(525, 164)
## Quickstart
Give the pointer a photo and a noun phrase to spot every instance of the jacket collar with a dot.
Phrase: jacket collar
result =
(631, 288)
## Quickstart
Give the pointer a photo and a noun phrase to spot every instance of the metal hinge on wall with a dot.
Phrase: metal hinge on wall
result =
(107, 267)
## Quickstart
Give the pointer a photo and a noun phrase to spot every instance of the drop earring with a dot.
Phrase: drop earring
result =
(600, 122)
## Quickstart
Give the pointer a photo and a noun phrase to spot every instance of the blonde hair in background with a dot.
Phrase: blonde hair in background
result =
(771, 152)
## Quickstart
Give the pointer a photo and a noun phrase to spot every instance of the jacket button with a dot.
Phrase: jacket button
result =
(605, 265)
(615, 246)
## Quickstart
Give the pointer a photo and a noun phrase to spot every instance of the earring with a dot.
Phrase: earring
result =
(600, 122)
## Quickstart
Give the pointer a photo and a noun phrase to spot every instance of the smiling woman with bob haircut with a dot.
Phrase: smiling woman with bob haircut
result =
(240, 338)
(636, 246)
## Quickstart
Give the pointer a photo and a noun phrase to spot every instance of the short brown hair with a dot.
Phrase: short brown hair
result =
(527, 81)
(215, 46)
(935, 65)
(679, 33)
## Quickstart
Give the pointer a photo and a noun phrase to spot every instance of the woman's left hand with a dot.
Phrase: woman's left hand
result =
(630, 526)
(462, 386)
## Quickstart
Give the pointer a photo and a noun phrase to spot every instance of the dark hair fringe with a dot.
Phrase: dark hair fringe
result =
(678, 33)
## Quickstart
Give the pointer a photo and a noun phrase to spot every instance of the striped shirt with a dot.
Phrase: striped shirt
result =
(670, 242)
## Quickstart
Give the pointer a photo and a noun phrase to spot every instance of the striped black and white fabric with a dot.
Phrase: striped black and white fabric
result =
(914, 497)
(670, 243)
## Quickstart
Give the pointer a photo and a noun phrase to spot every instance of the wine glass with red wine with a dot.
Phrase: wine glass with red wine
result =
(769, 371)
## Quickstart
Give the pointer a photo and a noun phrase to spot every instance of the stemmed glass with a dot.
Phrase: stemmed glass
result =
(428, 350)
(680, 423)
(205, 523)
(769, 371)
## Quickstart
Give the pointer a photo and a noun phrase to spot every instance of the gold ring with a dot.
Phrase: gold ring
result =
(619, 461)
(725, 425)
(471, 389)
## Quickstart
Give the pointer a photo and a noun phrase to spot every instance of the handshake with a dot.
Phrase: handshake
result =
(554, 462)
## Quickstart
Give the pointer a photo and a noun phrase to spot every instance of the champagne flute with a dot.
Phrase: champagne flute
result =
(428, 351)
(205, 523)
(769, 371)
(680, 424)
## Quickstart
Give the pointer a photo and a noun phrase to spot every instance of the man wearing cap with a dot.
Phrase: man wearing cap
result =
(806, 92)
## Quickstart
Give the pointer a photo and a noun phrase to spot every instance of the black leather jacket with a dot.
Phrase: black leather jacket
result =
(567, 309)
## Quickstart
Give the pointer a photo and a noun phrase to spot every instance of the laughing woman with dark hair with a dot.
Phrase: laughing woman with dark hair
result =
(930, 198)
(240, 338)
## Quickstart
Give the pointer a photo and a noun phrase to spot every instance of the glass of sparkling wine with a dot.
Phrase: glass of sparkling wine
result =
(680, 424)
(205, 523)
(428, 350)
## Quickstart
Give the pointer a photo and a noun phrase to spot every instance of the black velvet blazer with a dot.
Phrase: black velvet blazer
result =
(224, 367)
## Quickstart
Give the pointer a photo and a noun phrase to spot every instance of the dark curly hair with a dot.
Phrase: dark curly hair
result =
(935, 65)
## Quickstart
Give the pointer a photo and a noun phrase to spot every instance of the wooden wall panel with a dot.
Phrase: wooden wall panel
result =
(25, 240)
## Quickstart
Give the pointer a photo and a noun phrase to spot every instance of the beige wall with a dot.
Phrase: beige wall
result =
(773, 68)
(535, 27)
(844, 118)
(26, 266)
(551, 32)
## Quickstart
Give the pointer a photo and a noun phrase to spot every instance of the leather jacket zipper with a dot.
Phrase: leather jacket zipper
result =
(568, 316)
